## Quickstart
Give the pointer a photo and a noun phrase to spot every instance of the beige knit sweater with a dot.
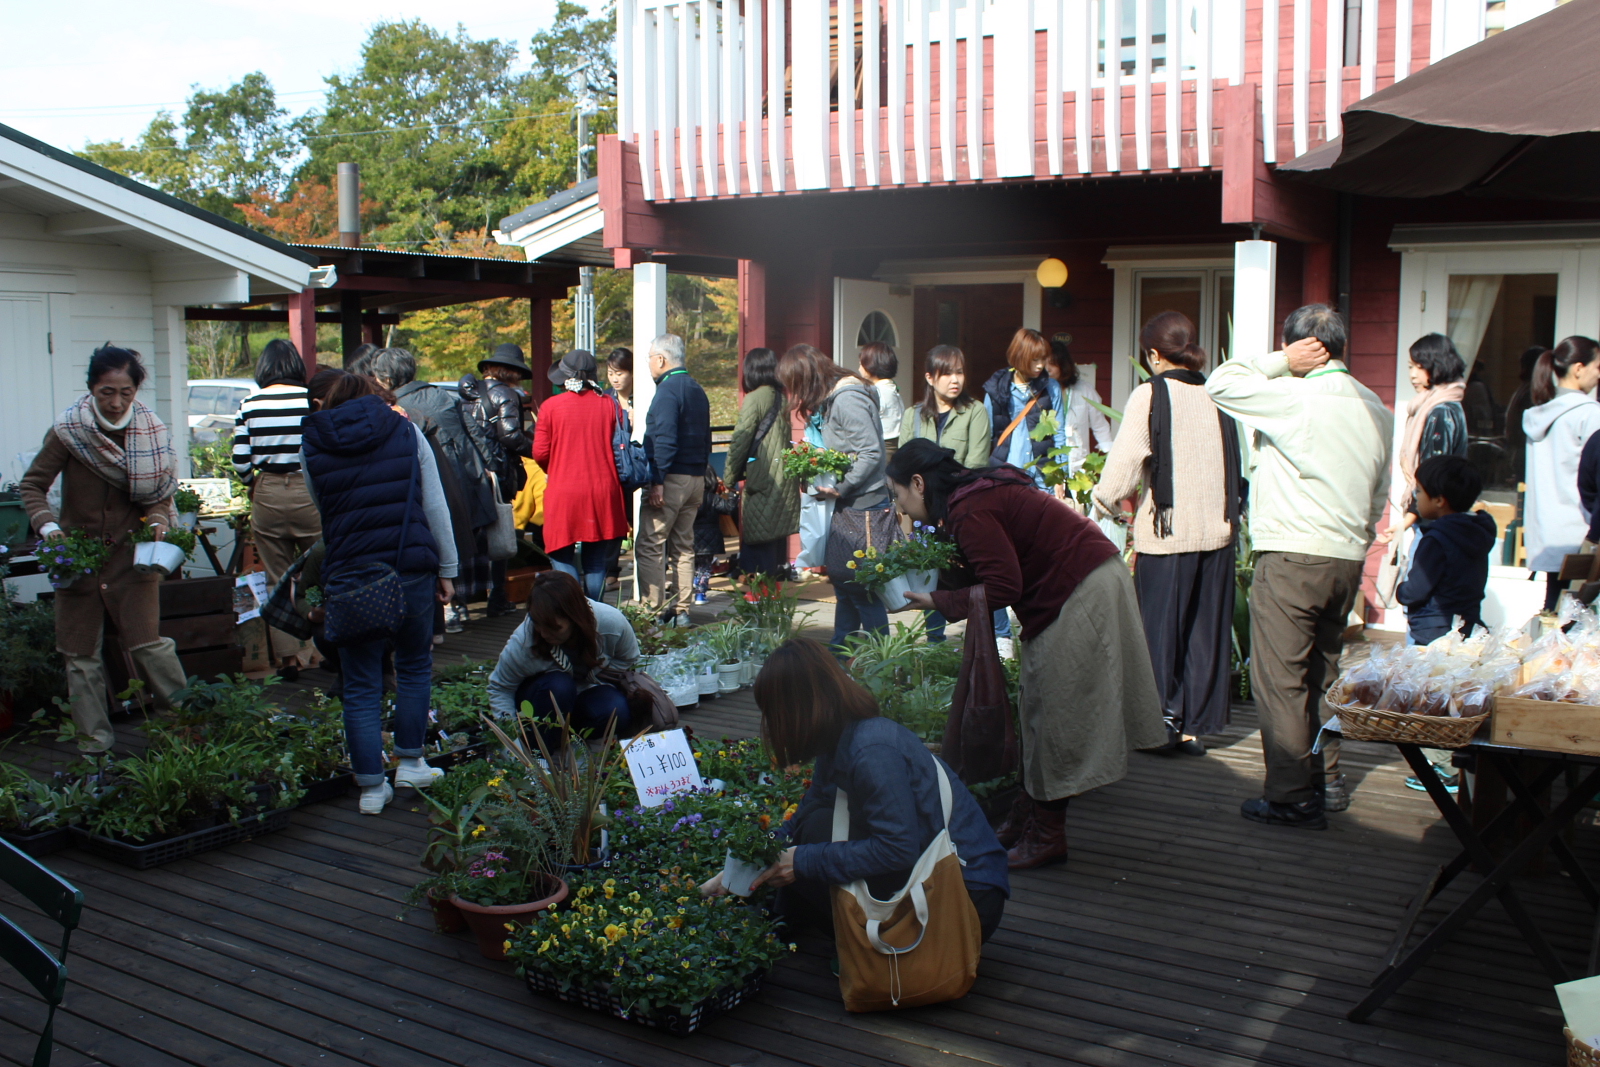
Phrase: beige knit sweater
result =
(1199, 521)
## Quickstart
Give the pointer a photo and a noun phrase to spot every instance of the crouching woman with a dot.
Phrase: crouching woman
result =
(811, 709)
(554, 659)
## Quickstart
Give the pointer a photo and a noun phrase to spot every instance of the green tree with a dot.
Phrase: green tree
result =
(232, 144)
(417, 115)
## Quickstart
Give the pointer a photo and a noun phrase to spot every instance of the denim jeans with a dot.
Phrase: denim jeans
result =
(413, 672)
(1002, 623)
(596, 562)
(587, 712)
(857, 608)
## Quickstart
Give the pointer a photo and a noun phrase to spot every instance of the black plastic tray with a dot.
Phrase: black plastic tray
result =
(143, 857)
(676, 1023)
(44, 843)
(335, 788)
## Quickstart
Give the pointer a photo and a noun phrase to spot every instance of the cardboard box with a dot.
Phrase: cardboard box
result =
(1546, 725)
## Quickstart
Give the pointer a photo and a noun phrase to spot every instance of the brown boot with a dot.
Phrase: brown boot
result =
(1044, 843)
(1016, 822)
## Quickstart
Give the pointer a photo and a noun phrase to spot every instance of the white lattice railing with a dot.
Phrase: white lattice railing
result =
(784, 95)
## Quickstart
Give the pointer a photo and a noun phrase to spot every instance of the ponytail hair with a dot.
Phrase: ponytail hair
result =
(1171, 334)
(1556, 363)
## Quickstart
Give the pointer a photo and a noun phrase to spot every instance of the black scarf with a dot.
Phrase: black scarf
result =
(1161, 451)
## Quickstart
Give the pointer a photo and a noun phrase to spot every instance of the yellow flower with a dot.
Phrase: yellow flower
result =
(479, 830)
(860, 554)
(611, 891)
(547, 944)
(851, 564)
(510, 927)
(505, 946)
(634, 896)
(676, 922)
(496, 780)
(686, 965)
(879, 568)
(566, 928)
(614, 932)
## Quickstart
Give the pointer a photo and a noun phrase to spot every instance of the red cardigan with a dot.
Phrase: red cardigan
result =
(1029, 549)
(572, 443)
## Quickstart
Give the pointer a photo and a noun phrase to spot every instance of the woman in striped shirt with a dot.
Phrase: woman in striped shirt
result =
(266, 453)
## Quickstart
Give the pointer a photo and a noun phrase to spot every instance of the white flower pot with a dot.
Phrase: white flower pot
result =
(707, 681)
(685, 696)
(729, 677)
(187, 519)
(752, 668)
(737, 876)
(157, 556)
(893, 594)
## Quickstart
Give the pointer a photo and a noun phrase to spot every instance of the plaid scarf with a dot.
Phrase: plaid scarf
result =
(144, 466)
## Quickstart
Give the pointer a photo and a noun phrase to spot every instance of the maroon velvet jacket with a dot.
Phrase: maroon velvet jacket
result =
(1029, 549)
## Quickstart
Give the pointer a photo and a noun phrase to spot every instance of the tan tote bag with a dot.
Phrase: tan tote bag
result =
(921, 946)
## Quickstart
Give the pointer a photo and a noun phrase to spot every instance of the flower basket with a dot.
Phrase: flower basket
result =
(143, 857)
(44, 843)
(1357, 722)
(893, 594)
(680, 1021)
(489, 922)
(160, 557)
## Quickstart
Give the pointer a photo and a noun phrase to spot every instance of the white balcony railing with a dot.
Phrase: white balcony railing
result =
(784, 95)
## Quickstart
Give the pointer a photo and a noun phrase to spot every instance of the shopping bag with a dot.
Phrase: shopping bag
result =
(816, 517)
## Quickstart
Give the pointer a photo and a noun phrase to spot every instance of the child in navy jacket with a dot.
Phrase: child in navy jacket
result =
(1450, 564)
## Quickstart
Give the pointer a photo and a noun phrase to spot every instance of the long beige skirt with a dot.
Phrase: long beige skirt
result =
(1088, 693)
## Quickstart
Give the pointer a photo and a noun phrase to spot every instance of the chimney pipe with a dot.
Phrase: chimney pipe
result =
(349, 205)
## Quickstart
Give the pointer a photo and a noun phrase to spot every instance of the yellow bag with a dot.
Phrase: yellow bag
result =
(529, 504)
(922, 945)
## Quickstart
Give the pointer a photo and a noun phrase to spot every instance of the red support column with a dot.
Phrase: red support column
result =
(539, 349)
(1316, 281)
(752, 311)
(303, 327)
(372, 330)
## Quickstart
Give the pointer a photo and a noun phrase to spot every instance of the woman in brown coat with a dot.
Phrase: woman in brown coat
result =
(118, 470)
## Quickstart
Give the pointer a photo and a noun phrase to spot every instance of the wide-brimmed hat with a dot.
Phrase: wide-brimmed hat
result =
(508, 355)
(575, 364)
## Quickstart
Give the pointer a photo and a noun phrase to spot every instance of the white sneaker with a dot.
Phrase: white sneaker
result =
(374, 798)
(417, 777)
(454, 619)
(1006, 648)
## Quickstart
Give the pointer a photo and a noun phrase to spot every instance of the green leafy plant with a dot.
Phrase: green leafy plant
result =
(30, 667)
(460, 698)
(564, 792)
(725, 640)
(913, 681)
(513, 863)
(30, 805)
(185, 502)
(927, 551)
(768, 608)
(803, 461)
(1055, 466)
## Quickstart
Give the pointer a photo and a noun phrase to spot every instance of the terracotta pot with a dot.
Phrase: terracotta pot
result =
(446, 916)
(489, 922)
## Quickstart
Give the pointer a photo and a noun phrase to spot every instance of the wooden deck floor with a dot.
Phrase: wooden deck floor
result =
(1177, 934)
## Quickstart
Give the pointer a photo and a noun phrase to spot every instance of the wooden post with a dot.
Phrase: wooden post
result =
(649, 322)
(752, 311)
(539, 349)
(1317, 283)
(349, 323)
(303, 327)
(372, 329)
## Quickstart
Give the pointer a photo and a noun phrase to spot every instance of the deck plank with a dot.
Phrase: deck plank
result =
(1177, 934)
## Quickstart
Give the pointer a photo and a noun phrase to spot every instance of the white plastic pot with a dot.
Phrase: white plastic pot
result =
(737, 876)
(187, 519)
(729, 677)
(707, 681)
(157, 556)
(894, 593)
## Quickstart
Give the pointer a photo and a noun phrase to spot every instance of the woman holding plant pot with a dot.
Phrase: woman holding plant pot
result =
(553, 661)
(1087, 691)
(118, 471)
(841, 413)
(812, 709)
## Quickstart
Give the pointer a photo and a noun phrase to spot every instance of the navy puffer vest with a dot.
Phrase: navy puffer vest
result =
(362, 459)
(998, 390)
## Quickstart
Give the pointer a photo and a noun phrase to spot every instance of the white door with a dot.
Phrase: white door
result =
(874, 311)
(27, 397)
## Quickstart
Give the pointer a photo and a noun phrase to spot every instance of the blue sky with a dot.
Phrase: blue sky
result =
(75, 71)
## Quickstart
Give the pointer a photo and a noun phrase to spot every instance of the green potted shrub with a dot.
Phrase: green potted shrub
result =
(186, 505)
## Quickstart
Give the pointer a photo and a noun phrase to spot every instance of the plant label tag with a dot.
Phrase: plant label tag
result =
(661, 764)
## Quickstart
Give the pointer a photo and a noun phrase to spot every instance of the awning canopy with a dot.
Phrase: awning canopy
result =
(1515, 115)
(565, 229)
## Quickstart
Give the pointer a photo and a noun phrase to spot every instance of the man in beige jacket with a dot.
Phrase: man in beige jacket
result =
(1320, 447)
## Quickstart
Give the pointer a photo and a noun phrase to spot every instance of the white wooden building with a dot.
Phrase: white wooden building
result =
(89, 256)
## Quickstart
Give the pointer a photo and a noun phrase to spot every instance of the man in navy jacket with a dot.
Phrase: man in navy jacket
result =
(677, 438)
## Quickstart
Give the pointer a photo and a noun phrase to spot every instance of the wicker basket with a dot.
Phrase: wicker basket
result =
(1358, 722)
(1579, 1052)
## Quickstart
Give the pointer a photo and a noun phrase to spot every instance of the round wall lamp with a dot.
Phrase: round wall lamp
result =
(1052, 274)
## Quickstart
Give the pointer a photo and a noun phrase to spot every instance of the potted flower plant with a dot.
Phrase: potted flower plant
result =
(753, 844)
(814, 467)
(73, 557)
(504, 885)
(910, 565)
(163, 557)
(726, 642)
(186, 503)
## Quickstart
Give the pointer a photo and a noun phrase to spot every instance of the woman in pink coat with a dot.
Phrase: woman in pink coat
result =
(583, 502)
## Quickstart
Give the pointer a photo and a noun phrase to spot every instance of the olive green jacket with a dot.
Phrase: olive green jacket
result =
(966, 432)
(771, 501)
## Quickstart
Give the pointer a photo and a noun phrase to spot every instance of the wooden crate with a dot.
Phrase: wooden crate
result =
(1550, 725)
(196, 596)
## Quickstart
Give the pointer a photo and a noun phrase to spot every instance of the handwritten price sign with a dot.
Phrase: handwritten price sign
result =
(661, 765)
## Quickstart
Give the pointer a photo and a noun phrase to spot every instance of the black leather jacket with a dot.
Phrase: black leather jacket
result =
(495, 410)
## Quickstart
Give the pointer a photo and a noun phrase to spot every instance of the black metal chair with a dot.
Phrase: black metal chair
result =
(58, 899)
